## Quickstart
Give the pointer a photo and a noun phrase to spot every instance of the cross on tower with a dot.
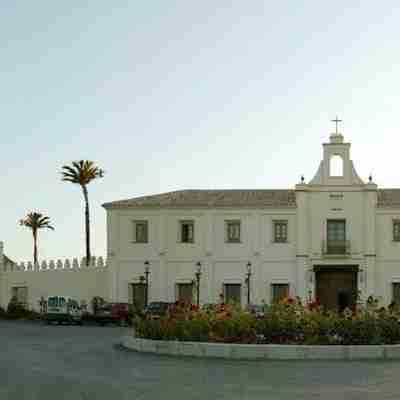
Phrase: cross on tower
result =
(336, 121)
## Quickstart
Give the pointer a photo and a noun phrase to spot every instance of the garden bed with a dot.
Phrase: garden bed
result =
(287, 323)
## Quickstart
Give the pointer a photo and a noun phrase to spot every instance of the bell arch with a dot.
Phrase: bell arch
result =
(336, 165)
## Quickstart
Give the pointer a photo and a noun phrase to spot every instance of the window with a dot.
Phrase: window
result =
(185, 292)
(232, 231)
(280, 231)
(232, 293)
(336, 236)
(21, 293)
(279, 292)
(187, 231)
(396, 230)
(141, 231)
(396, 293)
(137, 295)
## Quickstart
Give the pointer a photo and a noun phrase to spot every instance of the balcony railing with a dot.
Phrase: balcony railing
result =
(336, 247)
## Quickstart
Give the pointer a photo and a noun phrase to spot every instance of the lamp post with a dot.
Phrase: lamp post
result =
(146, 274)
(247, 280)
(198, 275)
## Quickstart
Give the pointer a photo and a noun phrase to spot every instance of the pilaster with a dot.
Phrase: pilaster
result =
(302, 242)
(370, 276)
(302, 277)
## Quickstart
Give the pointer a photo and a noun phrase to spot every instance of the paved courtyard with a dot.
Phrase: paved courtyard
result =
(84, 362)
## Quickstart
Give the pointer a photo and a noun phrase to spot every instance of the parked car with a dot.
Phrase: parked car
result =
(117, 313)
(157, 309)
(63, 309)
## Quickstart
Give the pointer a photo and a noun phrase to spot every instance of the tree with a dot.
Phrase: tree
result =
(82, 173)
(36, 221)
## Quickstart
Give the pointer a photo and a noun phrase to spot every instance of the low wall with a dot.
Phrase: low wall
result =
(261, 351)
(56, 277)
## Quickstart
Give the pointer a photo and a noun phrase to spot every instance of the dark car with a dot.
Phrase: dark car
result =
(157, 309)
(112, 313)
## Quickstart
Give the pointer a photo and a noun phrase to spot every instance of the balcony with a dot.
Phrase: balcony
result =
(336, 248)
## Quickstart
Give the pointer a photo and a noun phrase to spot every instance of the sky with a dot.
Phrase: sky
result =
(169, 95)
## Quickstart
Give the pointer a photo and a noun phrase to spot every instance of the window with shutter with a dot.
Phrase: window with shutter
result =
(187, 231)
(232, 293)
(279, 292)
(396, 231)
(232, 231)
(141, 231)
(185, 292)
(280, 231)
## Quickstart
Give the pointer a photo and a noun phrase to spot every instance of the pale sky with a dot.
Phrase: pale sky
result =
(167, 95)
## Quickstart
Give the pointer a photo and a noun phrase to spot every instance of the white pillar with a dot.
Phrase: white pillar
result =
(302, 277)
(370, 276)
(302, 239)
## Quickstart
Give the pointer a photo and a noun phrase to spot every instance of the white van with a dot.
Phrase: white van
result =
(63, 309)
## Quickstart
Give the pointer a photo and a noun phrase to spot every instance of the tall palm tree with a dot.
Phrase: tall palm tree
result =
(36, 221)
(82, 173)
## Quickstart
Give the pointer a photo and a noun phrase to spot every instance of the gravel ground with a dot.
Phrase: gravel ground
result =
(85, 362)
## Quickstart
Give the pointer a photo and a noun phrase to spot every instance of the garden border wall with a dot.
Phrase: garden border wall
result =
(261, 351)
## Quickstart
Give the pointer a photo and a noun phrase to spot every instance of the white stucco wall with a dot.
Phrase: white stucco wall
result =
(347, 197)
(79, 282)
(173, 262)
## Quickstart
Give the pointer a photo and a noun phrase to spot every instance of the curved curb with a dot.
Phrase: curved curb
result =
(261, 351)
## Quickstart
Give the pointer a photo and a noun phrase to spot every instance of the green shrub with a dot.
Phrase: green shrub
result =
(280, 329)
(150, 329)
(288, 323)
(196, 330)
(390, 330)
(238, 329)
(317, 328)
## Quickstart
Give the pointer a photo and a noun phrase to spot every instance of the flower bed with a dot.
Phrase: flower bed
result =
(286, 323)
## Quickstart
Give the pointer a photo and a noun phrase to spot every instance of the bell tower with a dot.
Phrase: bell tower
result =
(336, 168)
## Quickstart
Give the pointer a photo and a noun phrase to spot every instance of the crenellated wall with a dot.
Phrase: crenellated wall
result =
(67, 264)
(68, 277)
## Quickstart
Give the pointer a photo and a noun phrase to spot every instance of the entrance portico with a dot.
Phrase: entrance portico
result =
(336, 286)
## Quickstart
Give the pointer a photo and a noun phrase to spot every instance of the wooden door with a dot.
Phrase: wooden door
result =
(337, 289)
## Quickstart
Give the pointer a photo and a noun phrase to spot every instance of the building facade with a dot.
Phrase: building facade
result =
(335, 238)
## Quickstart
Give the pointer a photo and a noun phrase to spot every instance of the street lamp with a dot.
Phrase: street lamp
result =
(247, 280)
(146, 274)
(198, 275)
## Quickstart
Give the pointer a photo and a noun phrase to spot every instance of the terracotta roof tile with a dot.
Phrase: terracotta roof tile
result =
(212, 198)
(389, 198)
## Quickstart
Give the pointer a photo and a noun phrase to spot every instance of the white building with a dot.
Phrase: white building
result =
(335, 237)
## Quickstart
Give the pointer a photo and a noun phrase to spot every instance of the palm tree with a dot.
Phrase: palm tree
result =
(36, 221)
(82, 173)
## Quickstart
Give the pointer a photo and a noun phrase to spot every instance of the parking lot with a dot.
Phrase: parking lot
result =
(85, 362)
